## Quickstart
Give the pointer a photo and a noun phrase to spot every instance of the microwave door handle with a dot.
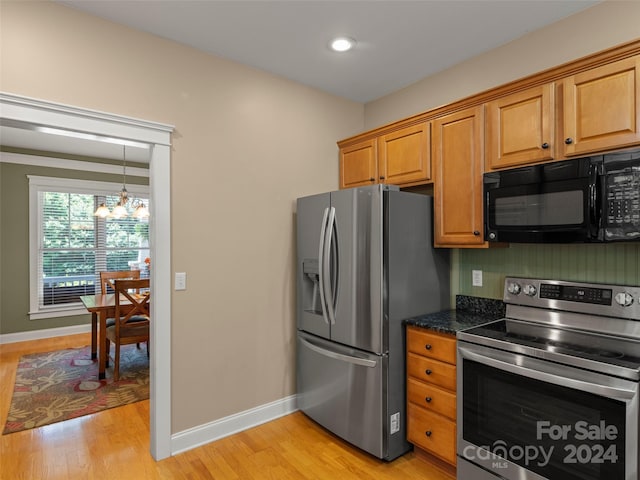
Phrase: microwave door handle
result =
(595, 208)
(564, 381)
(321, 273)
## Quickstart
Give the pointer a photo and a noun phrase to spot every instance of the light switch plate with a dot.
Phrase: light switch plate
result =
(181, 281)
(476, 278)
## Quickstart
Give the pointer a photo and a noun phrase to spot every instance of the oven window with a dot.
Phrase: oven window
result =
(553, 208)
(557, 432)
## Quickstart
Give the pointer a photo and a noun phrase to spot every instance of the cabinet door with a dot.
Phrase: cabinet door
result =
(404, 156)
(432, 432)
(520, 128)
(359, 164)
(458, 157)
(602, 108)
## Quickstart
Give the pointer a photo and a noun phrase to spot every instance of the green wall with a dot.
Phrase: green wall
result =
(14, 244)
(617, 263)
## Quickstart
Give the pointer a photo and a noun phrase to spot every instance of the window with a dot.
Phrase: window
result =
(69, 245)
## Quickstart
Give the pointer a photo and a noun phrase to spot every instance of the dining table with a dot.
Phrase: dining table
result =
(101, 307)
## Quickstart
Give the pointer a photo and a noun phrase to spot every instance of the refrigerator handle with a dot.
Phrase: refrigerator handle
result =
(339, 356)
(326, 266)
(323, 299)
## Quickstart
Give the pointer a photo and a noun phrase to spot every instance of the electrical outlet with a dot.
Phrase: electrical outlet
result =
(181, 281)
(476, 278)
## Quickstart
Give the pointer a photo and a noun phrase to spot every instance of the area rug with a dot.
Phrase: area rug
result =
(56, 386)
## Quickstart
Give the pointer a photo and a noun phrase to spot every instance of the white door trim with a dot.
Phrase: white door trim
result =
(25, 112)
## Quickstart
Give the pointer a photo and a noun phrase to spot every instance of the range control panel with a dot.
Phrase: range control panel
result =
(599, 296)
(597, 299)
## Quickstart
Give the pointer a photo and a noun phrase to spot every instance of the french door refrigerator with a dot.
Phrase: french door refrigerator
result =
(365, 262)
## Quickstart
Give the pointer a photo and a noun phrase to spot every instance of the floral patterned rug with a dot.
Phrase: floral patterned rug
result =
(56, 386)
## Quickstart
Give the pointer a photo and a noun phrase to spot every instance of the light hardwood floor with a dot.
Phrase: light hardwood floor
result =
(114, 445)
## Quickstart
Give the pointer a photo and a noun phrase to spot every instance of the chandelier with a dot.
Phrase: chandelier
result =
(120, 211)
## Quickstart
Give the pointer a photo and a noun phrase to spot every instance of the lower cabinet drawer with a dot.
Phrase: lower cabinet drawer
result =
(432, 398)
(432, 371)
(429, 344)
(432, 433)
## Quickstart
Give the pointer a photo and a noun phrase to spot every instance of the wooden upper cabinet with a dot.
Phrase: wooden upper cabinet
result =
(404, 156)
(520, 128)
(601, 108)
(458, 154)
(588, 106)
(400, 157)
(359, 164)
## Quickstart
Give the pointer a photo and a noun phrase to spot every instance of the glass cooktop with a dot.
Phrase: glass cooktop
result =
(558, 344)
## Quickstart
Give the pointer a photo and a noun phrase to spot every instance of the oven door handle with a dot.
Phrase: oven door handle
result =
(565, 381)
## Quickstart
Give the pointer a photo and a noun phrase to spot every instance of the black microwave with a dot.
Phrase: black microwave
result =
(593, 199)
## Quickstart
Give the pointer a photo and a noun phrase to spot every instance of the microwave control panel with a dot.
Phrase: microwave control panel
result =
(622, 204)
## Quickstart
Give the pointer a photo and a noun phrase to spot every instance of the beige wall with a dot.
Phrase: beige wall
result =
(605, 25)
(246, 145)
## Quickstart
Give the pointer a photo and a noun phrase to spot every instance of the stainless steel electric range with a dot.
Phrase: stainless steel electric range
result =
(551, 392)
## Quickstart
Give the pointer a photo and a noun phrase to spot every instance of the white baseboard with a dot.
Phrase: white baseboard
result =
(207, 433)
(45, 333)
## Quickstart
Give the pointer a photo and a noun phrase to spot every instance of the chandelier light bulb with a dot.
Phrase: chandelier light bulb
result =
(119, 211)
(141, 211)
(102, 211)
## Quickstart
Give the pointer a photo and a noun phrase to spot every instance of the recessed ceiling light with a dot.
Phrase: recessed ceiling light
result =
(342, 44)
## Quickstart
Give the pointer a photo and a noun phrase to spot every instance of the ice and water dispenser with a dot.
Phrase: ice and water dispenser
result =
(310, 286)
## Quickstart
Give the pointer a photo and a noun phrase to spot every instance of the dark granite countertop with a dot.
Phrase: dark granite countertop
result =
(469, 312)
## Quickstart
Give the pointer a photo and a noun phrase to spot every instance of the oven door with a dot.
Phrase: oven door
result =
(554, 203)
(525, 418)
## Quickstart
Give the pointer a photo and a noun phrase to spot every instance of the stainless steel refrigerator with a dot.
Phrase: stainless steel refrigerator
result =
(365, 262)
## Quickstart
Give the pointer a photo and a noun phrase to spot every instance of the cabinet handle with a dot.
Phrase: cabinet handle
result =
(428, 433)
(372, 179)
(476, 233)
(568, 141)
(427, 371)
(381, 177)
(545, 145)
(428, 346)
(428, 399)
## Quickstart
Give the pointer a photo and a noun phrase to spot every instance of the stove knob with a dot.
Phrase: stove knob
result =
(530, 290)
(513, 288)
(624, 299)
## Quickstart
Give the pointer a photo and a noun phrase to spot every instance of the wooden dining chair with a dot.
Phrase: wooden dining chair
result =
(106, 286)
(107, 277)
(132, 317)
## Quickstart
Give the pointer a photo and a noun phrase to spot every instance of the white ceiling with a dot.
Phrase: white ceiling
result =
(399, 42)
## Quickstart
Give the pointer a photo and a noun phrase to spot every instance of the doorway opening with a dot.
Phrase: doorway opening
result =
(35, 116)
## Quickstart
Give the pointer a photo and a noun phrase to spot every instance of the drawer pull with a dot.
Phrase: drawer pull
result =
(428, 346)
(428, 399)
(428, 433)
(427, 371)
